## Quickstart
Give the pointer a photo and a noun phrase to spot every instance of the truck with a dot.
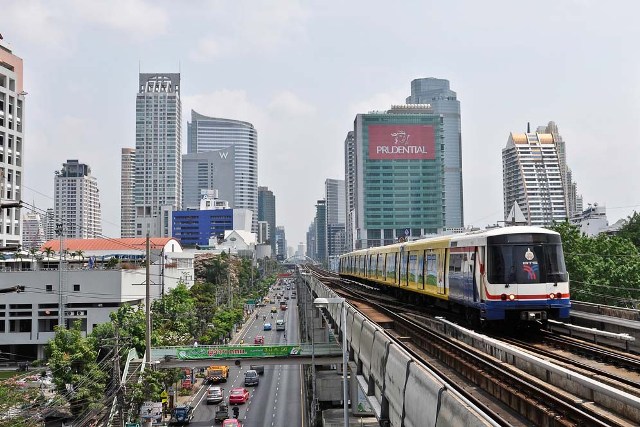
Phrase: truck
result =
(217, 374)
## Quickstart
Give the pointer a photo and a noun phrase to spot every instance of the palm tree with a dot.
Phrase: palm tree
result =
(48, 251)
(34, 253)
(79, 253)
(19, 256)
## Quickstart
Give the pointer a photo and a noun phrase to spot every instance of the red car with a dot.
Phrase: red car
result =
(238, 395)
(259, 339)
(231, 423)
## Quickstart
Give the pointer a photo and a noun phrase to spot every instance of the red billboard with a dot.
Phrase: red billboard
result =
(401, 142)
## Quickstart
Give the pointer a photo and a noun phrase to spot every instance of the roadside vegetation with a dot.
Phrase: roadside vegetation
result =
(84, 368)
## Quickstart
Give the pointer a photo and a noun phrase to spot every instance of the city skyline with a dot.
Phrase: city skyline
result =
(301, 86)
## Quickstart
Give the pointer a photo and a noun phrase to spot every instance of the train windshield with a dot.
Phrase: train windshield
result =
(521, 260)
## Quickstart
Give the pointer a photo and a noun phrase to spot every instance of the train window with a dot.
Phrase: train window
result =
(432, 269)
(403, 266)
(526, 264)
(391, 266)
(455, 263)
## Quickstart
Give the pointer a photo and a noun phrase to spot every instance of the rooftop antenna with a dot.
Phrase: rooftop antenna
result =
(528, 127)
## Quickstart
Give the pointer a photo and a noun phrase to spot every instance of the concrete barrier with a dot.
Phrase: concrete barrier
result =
(379, 353)
(366, 344)
(395, 379)
(356, 333)
(421, 397)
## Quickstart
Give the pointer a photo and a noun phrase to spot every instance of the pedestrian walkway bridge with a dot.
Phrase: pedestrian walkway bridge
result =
(236, 354)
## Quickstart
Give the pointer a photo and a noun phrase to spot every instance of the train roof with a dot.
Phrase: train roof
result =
(498, 231)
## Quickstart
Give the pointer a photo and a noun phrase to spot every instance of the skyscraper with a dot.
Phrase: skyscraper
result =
(321, 232)
(32, 231)
(444, 102)
(12, 103)
(127, 184)
(334, 194)
(399, 151)
(207, 134)
(281, 243)
(350, 190)
(49, 224)
(535, 191)
(158, 171)
(212, 170)
(267, 212)
(77, 201)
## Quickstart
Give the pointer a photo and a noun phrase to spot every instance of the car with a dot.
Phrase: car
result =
(280, 325)
(274, 309)
(215, 395)
(266, 326)
(238, 395)
(251, 378)
(181, 415)
(259, 339)
(231, 422)
(258, 368)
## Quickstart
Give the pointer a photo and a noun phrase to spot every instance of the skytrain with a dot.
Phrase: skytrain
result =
(510, 275)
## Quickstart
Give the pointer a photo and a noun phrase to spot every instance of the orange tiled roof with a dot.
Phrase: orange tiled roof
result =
(135, 243)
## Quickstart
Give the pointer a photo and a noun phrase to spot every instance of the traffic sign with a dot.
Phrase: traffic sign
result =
(407, 232)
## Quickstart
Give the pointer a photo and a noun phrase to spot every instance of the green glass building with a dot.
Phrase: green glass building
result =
(397, 175)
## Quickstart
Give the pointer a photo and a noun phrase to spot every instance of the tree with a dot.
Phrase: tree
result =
(48, 251)
(72, 359)
(602, 268)
(175, 321)
(631, 230)
(34, 252)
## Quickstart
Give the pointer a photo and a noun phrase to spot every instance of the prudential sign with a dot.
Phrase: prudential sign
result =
(401, 142)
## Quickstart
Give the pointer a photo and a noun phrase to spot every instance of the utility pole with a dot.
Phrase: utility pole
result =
(229, 279)
(148, 302)
(60, 233)
(118, 376)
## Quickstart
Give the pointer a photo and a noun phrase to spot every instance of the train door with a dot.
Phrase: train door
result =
(442, 255)
(468, 275)
(478, 273)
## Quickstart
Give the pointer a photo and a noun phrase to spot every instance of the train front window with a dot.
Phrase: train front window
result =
(526, 263)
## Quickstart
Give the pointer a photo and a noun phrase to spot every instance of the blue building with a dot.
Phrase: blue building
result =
(192, 228)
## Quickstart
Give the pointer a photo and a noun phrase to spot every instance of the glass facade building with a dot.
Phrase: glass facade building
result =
(398, 175)
(192, 228)
(207, 134)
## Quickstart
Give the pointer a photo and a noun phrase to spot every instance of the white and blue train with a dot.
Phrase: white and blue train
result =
(509, 274)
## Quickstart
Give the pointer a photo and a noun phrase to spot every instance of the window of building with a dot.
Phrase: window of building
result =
(49, 288)
(76, 288)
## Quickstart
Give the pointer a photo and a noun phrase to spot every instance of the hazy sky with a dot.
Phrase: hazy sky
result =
(301, 70)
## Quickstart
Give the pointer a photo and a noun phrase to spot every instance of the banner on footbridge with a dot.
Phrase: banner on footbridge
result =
(237, 351)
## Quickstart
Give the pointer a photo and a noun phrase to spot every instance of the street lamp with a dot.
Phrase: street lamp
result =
(324, 303)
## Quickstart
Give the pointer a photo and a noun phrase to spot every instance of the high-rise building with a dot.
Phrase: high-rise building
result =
(281, 243)
(215, 134)
(267, 212)
(350, 190)
(77, 201)
(311, 240)
(444, 103)
(32, 231)
(321, 232)
(334, 194)
(49, 225)
(12, 104)
(397, 175)
(574, 200)
(263, 232)
(158, 171)
(127, 184)
(208, 171)
(534, 189)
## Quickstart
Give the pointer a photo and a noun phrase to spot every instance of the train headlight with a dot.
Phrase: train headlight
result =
(558, 295)
(512, 297)
(552, 296)
(503, 297)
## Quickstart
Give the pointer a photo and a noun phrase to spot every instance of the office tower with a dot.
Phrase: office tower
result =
(127, 184)
(215, 134)
(12, 103)
(49, 225)
(334, 194)
(267, 212)
(281, 244)
(350, 190)
(400, 154)
(32, 231)
(311, 240)
(208, 171)
(77, 201)
(573, 199)
(533, 187)
(158, 171)
(444, 102)
(321, 232)
(263, 232)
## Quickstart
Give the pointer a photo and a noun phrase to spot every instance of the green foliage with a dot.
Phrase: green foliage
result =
(152, 384)
(175, 320)
(631, 230)
(602, 269)
(72, 359)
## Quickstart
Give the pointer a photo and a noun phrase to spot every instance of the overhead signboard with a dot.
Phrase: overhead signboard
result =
(401, 142)
(237, 351)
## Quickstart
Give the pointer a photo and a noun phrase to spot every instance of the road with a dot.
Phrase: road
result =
(277, 400)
